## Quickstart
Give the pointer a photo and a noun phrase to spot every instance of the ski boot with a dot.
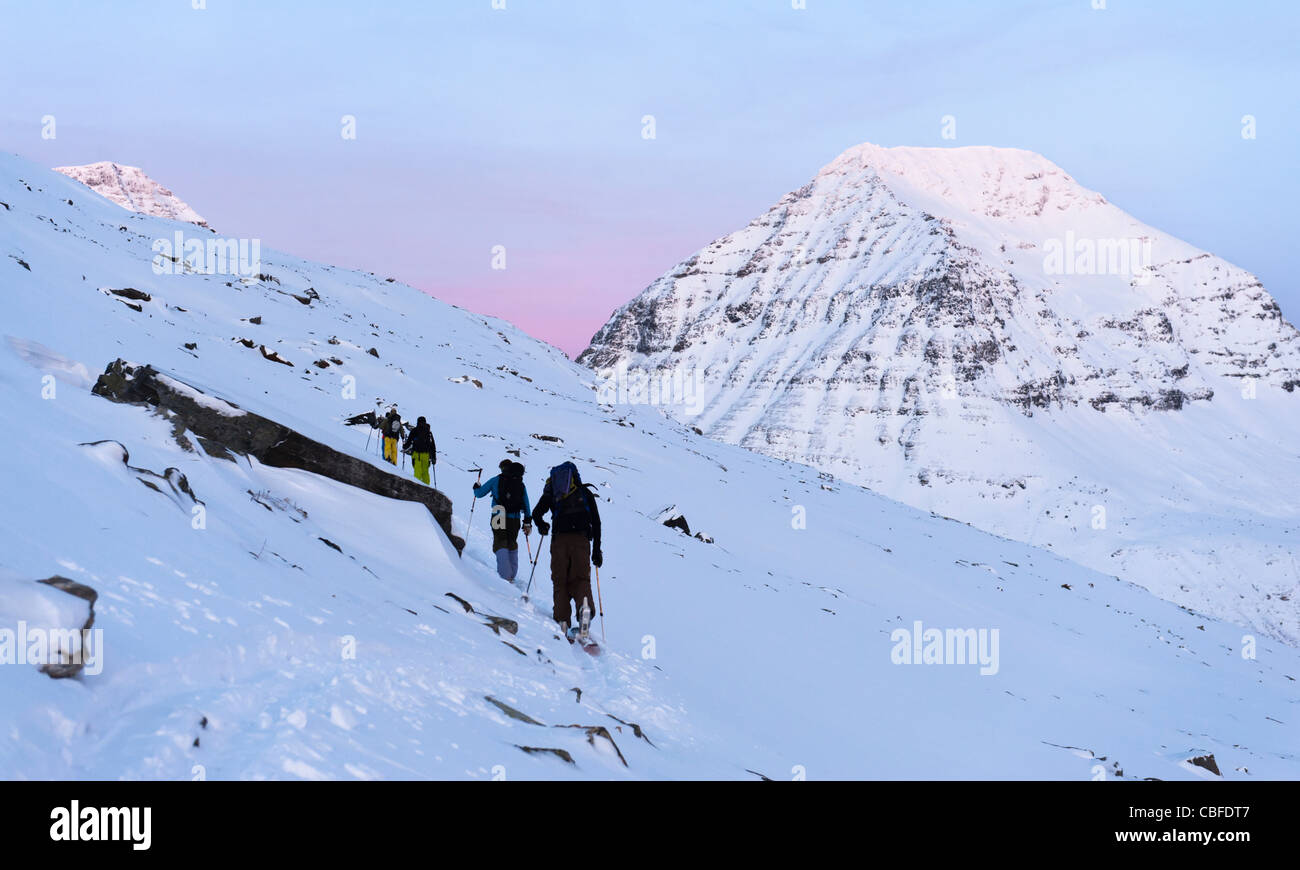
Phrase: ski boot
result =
(584, 623)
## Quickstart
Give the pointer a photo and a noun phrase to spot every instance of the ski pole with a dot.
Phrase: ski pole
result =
(534, 571)
(470, 524)
(601, 604)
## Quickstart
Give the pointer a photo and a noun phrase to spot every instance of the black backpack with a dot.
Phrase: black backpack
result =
(569, 499)
(421, 439)
(510, 491)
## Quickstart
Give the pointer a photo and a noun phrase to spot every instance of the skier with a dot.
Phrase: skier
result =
(423, 450)
(391, 427)
(509, 507)
(575, 546)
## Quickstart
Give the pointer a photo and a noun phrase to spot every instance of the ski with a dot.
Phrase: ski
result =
(582, 641)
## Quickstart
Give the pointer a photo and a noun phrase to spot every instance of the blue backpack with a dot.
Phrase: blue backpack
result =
(569, 498)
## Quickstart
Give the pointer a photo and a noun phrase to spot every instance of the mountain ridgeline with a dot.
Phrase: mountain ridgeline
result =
(971, 331)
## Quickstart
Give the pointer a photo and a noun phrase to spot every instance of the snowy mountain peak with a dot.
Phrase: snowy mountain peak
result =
(983, 180)
(131, 188)
(971, 331)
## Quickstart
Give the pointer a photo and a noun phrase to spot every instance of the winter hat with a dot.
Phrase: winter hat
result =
(420, 422)
(504, 464)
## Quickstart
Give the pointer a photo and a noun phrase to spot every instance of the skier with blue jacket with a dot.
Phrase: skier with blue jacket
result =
(510, 509)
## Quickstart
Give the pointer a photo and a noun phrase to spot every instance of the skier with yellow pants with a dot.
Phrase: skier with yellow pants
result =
(391, 428)
(423, 449)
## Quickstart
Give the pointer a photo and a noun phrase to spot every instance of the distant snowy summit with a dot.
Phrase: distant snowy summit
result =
(971, 331)
(131, 188)
(899, 277)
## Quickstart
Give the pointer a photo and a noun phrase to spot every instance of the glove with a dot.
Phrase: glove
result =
(528, 528)
(597, 559)
(543, 527)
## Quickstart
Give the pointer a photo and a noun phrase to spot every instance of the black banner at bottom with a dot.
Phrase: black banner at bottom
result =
(329, 820)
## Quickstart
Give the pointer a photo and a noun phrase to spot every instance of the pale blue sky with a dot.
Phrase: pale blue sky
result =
(522, 126)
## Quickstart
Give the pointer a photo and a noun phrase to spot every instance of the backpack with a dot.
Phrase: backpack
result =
(510, 491)
(421, 439)
(569, 498)
(563, 480)
(394, 426)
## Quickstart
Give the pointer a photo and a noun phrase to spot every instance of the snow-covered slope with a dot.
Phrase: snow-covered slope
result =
(307, 628)
(971, 331)
(129, 187)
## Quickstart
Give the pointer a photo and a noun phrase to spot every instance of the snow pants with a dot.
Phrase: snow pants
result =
(570, 576)
(505, 544)
(420, 463)
(390, 449)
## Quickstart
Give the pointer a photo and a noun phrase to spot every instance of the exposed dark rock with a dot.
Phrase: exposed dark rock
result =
(373, 353)
(273, 444)
(1170, 400)
(275, 357)
(368, 418)
(172, 478)
(1206, 761)
(636, 729)
(598, 731)
(679, 523)
(552, 438)
(558, 753)
(499, 624)
(511, 711)
(63, 670)
(469, 608)
(131, 293)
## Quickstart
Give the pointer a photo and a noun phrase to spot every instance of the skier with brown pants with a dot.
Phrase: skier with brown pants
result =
(575, 546)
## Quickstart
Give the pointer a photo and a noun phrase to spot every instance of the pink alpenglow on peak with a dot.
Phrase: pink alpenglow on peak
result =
(129, 187)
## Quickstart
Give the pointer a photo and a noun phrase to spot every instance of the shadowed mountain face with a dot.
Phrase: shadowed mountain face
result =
(971, 331)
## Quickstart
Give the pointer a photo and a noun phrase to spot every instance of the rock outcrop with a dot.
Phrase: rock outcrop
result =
(221, 426)
(72, 665)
